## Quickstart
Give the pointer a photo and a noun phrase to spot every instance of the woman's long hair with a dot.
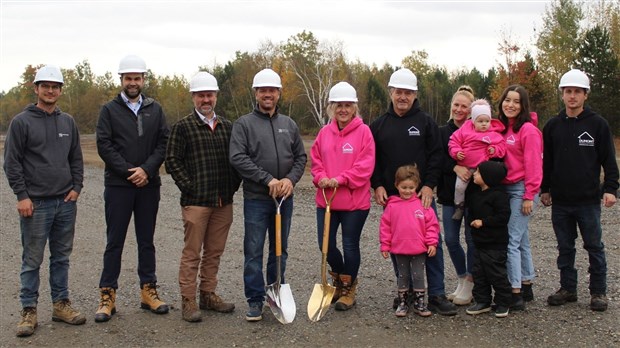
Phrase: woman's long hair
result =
(524, 115)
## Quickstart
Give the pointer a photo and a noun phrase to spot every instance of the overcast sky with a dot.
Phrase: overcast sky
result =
(178, 37)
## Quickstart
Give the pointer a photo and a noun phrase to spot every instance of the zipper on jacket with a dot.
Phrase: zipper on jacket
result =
(275, 143)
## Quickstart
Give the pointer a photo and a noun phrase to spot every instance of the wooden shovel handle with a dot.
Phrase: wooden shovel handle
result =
(279, 226)
(328, 203)
(278, 234)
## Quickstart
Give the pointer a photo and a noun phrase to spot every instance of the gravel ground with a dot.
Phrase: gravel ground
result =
(370, 323)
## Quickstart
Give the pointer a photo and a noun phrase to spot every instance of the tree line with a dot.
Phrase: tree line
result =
(573, 34)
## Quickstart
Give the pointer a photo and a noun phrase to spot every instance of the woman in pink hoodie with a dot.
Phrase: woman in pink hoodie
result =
(410, 232)
(477, 141)
(523, 160)
(343, 159)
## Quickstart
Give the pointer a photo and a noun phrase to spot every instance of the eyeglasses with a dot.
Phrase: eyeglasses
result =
(55, 87)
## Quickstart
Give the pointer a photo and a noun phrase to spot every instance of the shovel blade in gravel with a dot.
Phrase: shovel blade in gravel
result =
(280, 300)
(320, 300)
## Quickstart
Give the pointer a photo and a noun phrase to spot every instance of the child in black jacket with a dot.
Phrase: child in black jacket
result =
(489, 212)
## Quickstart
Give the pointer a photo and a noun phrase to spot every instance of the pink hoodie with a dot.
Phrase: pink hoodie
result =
(349, 156)
(524, 157)
(475, 144)
(407, 228)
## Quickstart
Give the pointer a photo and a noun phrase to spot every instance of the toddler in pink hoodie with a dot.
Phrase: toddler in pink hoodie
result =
(410, 232)
(478, 140)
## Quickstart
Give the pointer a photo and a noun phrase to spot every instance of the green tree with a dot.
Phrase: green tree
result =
(174, 97)
(16, 99)
(598, 59)
(557, 44)
(606, 14)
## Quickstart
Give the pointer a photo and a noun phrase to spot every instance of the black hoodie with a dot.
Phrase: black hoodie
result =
(412, 138)
(492, 206)
(575, 148)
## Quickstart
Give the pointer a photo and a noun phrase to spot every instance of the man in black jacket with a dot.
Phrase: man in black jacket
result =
(406, 134)
(131, 139)
(577, 143)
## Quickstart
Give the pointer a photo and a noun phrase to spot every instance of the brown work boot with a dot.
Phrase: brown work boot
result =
(347, 294)
(107, 305)
(64, 312)
(598, 302)
(337, 284)
(149, 299)
(210, 300)
(28, 322)
(190, 310)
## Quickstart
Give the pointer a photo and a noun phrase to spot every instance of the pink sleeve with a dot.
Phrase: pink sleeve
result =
(361, 171)
(385, 230)
(500, 146)
(317, 170)
(532, 161)
(431, 234)
(455, 142)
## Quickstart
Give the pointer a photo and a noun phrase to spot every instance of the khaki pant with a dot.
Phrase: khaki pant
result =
(206, 230)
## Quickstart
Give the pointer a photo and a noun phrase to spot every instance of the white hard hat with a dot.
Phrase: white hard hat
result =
(342, 92)
(403, 78)
(575, 78)
(49, 73)
(131, 64)
(267, 78)
(203, 81)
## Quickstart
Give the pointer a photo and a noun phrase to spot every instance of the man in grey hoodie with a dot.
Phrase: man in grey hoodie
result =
(44, 167)
(267, 151)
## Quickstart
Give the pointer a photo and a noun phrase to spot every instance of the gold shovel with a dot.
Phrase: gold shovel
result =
(322, 294)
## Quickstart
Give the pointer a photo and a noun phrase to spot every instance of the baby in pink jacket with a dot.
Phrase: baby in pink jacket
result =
(477, 141)
(410, 232)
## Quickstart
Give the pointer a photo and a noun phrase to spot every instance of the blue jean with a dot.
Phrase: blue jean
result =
(434, 268)
(53, 219)
(565, 221)
(462, 262)
(259, 218)
(352, 223)
(120, 204)
(520, 265)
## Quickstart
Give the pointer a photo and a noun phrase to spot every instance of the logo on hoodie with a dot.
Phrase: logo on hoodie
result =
(511, 140)
(418, 214)
(347, 148)
(60, 135)
(413, 131)
(585, 139)
(282, 130)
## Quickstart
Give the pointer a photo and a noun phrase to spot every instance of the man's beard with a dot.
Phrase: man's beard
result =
(132, 94)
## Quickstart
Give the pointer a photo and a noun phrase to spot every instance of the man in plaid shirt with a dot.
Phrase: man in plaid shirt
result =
(197, 159)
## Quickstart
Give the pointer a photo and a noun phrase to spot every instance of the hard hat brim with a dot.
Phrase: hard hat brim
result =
(131, 71)
(204, 89)
(267, 85)
(409, 87)
(338, 100)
